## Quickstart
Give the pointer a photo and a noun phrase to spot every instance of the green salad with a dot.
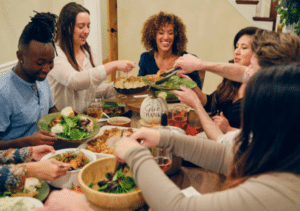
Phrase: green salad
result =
(72, 127)
(119, 183)
(173, 83)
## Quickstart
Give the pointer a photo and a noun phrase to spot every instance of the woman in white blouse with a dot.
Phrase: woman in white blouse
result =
(75, 78)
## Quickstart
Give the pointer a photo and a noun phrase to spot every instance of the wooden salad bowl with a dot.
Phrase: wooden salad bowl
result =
(94, 172)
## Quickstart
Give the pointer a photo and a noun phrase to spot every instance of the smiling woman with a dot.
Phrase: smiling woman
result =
(164, 37)
(76, 78)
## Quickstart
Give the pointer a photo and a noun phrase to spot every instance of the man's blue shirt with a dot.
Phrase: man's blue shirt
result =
(20, 108)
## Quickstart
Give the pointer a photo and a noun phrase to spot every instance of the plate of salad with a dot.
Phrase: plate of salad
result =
(74, 128)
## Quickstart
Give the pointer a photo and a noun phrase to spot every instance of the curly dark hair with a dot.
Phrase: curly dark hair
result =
(153, 24)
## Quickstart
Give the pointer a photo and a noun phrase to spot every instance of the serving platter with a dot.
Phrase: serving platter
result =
(131, 90)
(168, 84)
(101, 132)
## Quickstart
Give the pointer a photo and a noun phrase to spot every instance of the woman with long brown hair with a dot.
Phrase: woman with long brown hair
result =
(75, 78)
(262, 167)
(225, 102)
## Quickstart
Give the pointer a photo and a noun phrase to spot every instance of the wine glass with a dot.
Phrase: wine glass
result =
(163, 158)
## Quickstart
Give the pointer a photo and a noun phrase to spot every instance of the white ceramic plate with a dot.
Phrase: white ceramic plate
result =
(35, 202)
(71, 178)
(102, 129)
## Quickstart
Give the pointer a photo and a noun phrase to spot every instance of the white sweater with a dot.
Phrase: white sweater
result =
(74, 88)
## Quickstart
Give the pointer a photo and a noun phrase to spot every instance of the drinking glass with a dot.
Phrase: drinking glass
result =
(96, 109)
(163, 158)
(177, 116)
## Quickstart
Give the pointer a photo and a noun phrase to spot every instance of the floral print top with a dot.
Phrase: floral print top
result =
(12, 172)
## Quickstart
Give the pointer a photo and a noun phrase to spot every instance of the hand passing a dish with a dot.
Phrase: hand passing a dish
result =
(40, 151)
(187, 96)
(40, 138)
(188, 64)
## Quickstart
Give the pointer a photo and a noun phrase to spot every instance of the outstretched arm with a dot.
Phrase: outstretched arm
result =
(189, 63)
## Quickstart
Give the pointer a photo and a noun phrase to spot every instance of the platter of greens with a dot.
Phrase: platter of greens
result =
(173, 83)
(75, 129)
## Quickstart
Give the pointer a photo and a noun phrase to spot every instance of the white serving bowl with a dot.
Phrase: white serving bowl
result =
(71, 177)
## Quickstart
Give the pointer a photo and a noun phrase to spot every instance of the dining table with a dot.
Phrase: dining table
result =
(189, 175)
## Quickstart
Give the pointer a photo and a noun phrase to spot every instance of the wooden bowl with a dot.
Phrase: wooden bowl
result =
(94, 172)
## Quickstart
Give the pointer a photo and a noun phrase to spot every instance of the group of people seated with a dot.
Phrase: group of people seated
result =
(251, 138)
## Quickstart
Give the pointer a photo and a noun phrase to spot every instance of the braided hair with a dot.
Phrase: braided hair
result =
(42, 28)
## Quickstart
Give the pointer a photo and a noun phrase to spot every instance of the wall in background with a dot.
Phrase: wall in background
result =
(211, 26)
(14, 15)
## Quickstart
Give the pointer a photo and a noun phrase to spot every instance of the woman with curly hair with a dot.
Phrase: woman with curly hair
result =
(164, 37)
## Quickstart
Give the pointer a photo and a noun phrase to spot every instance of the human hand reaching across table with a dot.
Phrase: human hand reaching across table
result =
(188, 64)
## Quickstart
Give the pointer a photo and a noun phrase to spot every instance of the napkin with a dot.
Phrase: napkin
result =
(190, 191)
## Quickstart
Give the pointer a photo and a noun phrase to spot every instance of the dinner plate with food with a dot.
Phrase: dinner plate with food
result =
(98, 143)
(68, 126)
(33, 187)
(130, 85)
(20, 203)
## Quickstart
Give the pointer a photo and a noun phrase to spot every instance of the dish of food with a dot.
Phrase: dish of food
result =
(34, 188)
(19, 203)
(75, 160)
(173, 83)
(98, 145)
(114, 109)
(130, 85)
(71, 176)
(74, 129)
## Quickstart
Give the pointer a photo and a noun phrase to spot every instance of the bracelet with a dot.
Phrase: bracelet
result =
(25, 169)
